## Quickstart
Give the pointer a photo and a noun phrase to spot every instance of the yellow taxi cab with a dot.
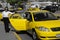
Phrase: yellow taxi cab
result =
(41, 24)
(44, 24)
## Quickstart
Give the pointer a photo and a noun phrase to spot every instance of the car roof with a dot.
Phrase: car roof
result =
(34, 11)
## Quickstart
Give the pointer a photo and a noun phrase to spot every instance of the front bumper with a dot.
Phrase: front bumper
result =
(48, 38)
(45, 37)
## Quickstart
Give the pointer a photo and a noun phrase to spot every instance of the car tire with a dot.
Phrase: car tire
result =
(34, 35)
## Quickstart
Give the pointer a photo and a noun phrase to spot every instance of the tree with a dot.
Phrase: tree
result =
(12, 1)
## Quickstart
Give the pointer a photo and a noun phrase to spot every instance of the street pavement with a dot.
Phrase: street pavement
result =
(4, 35)
(25, 37)
(11, 35)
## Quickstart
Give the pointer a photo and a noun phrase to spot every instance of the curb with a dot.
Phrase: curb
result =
(17, 36)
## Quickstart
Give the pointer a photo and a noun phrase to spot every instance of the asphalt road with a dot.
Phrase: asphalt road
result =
(6, 36)
(10, 35)
(25, 37)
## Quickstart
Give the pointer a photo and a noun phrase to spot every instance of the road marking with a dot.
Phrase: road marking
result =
(17, 36)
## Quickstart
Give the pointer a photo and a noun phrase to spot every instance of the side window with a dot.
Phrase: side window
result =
(50, 15)
(28, 16)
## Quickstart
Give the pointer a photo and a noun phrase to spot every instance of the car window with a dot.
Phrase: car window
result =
(43, 16)
(28, 16)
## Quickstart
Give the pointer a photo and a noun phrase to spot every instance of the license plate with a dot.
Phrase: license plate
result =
(58, 35)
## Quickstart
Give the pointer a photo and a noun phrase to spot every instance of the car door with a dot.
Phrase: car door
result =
(17, 22)
(28, 16)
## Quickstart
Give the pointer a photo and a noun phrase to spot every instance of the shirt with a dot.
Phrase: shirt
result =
(5, 13)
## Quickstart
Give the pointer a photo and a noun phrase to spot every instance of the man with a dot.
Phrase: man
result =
(6, 19)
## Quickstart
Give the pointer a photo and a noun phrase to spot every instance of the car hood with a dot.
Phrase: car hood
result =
(49, 24)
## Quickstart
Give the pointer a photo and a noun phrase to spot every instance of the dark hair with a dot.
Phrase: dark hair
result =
(5, 8)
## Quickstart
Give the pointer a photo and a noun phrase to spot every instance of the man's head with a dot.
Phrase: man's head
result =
(6, 9)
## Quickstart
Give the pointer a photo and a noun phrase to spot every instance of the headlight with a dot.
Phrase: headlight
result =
(43, 29)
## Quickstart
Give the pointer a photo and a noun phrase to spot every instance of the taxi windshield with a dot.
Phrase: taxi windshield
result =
(40, 16)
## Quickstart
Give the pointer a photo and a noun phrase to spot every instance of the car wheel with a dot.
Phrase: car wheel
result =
(34, 35)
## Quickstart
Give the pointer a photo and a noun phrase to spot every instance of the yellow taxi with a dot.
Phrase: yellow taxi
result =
(44, 24)
(41, 24)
